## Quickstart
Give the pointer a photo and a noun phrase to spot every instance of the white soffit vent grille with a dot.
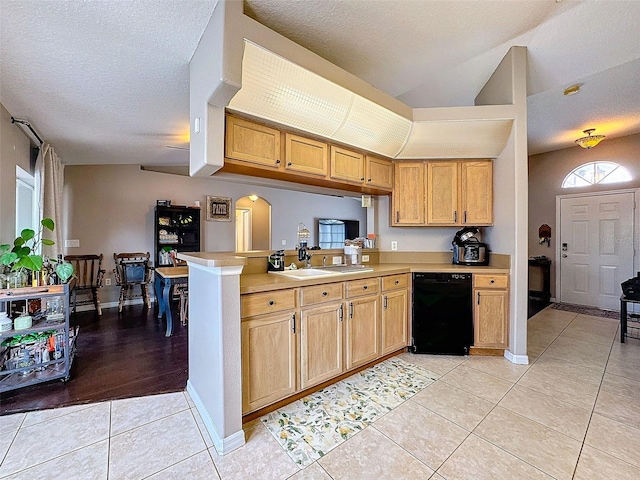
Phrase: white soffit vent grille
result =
(457, 139)
(276, 89)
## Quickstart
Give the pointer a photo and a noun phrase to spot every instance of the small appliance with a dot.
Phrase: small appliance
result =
(467, 249)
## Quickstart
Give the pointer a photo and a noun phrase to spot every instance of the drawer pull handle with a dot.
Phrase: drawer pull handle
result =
(365, 287)
(277, 161)
(289, 164)
(271, 302)
(397, 282)
(493, 281)
(368, 180)
(362, 179)
(324, 294)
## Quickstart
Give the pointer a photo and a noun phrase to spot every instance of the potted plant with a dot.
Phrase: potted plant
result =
(22, 257)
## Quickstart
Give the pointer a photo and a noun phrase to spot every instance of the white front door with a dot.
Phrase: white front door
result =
(596, 248)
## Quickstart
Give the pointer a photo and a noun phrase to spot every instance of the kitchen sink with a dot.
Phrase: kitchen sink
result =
(332, 270)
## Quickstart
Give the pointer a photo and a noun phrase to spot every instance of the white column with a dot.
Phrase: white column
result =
(215, 374)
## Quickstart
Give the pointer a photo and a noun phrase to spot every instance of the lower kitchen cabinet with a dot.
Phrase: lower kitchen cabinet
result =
(268, 359)
(320, 344)
(491, 311)
(362, 334)
(394, 321)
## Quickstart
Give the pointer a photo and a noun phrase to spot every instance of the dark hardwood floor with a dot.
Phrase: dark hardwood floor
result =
(119, 356)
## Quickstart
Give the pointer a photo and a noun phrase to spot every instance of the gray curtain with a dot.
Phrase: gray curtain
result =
(50, 184)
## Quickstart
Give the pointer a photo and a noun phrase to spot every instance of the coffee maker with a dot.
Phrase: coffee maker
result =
(467, 248)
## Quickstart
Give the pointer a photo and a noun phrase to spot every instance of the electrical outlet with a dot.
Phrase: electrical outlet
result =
(284, 242)
(394, 245)
(365, 258)
(107, 282)
(336, 261)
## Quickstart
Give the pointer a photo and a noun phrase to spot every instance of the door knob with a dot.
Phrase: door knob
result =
(564, 255)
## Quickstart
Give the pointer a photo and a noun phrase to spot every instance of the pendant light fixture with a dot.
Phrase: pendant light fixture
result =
(589, 141)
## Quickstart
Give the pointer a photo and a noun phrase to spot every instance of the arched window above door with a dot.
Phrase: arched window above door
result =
(594, 173)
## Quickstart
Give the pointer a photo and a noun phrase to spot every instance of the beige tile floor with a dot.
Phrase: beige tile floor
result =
(574, 412)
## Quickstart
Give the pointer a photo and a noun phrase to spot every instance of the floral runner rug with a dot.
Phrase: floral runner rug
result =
(310, 427)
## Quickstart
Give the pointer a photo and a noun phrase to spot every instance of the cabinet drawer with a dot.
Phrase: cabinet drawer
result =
(491, 281)
(366, 286)
(268, 302)
(320, 294)
(394, 281)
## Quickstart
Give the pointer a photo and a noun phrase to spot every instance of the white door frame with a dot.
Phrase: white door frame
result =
(636, 240)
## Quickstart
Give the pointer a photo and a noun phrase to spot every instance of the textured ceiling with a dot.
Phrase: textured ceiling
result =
(107, 81)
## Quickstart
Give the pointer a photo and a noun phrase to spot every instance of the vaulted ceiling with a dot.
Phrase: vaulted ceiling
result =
(108, 81)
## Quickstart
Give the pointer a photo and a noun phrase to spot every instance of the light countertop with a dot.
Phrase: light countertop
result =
(264, 282)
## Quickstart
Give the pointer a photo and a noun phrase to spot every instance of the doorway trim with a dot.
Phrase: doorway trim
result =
(636, 231)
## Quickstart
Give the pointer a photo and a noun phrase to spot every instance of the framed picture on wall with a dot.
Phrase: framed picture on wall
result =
(218, 209)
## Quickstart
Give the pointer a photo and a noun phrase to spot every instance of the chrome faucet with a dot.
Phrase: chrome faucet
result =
(324, 261)
(303, 256)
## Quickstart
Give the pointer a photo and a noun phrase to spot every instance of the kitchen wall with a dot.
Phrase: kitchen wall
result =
(110, 208)
(548, 170)
(15, 149)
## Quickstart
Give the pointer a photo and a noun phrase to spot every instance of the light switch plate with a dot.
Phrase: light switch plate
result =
(336, 261)
(72, 243)
(365, 258)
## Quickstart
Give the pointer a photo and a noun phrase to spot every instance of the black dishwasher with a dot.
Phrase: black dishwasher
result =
(442, 318)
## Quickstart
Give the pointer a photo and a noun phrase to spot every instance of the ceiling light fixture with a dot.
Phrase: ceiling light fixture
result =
(572, 90)
(253, 197)
(589, 141)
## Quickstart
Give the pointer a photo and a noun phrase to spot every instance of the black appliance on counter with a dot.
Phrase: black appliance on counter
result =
(442, 317)
(467, 249)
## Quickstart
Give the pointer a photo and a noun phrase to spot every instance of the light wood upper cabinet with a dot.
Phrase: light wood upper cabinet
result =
(408, 194)
(268, 359)
(378, 172)
(346, 165)
(442, 193)
(477, 192)
(320, 343)
(253, 143)
(491, 311)
(306, 156)
(456, 192)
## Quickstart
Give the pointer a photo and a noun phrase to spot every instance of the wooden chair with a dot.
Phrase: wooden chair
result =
(133, 269)
(89, 276)
(182, 290)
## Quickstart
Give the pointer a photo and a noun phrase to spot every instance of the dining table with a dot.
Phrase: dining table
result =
(166, 279)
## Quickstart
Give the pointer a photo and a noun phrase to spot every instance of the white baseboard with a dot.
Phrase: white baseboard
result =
(90, 307)
(223, 445)
(517, 359)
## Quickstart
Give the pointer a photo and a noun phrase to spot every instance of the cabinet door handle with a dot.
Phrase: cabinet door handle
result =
(341, 312)
(351, 310)
(289, 164)
(397, 216)
(478, 298)
(368, 180)
(293, 321)
(277, 161)
(455, 216)
(385, 302)
(362, 179)
(465, 216)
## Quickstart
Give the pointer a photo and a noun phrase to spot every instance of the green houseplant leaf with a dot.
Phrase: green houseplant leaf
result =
(48, 224)
(64, 271)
